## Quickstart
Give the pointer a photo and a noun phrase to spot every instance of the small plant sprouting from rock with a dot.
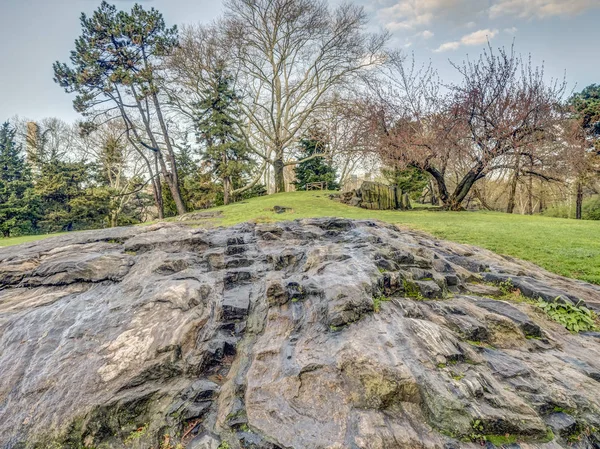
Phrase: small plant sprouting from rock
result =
(136, 435)
(377, 300)
(457, 376)
(507, 287)
(575, 318)
(224, 445)
(477, 434)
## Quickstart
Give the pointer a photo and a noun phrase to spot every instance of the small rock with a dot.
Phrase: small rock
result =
(483, 290)
(236, 303)
(281, 209)
(429, 289)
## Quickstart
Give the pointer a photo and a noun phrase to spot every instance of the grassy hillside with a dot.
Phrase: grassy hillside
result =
(567, 247)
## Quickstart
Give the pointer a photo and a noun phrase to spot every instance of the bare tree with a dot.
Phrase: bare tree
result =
(119, 163)
(412, 123)
(502, 107)
(292, 55)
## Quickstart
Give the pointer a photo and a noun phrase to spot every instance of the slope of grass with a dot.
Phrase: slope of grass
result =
(567, 247)
(24, 239)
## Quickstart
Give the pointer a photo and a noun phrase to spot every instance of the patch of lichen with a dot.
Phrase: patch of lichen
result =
(120, 425)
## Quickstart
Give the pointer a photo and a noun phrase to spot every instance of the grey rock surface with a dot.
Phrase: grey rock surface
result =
(313, 334)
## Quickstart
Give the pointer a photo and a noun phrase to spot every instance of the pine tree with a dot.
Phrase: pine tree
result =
(17, 200)
(70, 199)
(217, 127)
(409, 180)
(314, 168)
(114, 69)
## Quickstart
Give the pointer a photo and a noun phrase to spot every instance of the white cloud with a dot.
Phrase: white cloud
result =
(426, 34)
(476, 38)
(541, 8)
(512, 30)
(413, 14)
(448, 46)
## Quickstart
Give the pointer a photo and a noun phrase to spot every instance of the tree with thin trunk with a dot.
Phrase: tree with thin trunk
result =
(217, 126)
(114, 72)
(292, 55)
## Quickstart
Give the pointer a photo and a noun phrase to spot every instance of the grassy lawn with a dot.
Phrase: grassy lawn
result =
(567, 247)
(27, 238)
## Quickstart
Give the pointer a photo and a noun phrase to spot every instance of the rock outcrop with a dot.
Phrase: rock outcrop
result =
(374, 195)
(319, 333)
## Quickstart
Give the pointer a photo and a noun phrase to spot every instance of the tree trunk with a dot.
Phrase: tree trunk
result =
(434, 198)
(278, 172)
(579, 201)
(441, 184)
(513, 188)
(463, 188)
(157, 190)
(156, 186)
(530, 195)
(226, 189)
(172, 177)
(542, 197)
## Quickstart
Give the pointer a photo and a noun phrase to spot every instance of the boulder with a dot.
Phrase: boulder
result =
(311, 334)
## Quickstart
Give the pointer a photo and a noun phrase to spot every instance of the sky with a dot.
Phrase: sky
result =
(562, 35)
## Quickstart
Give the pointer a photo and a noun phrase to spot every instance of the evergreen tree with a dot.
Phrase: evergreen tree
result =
(410, 180)
(587, 105)
(314, 168)
(70, 200)
(217, 127)
(115, 69)
(17, 199)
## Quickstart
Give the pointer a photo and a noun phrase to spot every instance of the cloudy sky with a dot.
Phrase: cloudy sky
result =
(561, 34)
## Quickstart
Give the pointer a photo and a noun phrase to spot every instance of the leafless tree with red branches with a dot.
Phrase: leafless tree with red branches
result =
(461, 133)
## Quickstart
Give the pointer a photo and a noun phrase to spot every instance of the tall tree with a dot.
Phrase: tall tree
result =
(217, 126)
(114, 71)
(17, 201)
(583, 140)
(292, 55)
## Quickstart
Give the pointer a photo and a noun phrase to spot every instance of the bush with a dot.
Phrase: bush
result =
(591, 208)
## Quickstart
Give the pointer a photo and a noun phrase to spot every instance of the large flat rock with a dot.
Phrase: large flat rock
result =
(313, 334)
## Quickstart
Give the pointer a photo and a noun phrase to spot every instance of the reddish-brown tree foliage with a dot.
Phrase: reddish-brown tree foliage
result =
(461, 133)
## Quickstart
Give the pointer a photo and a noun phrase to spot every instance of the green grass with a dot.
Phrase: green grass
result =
(567, 247)
(24, 239)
